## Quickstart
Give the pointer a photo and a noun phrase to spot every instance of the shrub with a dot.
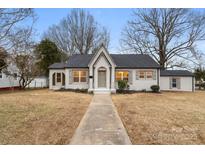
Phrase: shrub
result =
(155, 88)
(122, 85)
(203, 85)
(75, 90)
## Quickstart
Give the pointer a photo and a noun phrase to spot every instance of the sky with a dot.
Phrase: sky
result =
(113, 19)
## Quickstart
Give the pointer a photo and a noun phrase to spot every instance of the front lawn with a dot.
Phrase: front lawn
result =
(40, 116)
(166, 118)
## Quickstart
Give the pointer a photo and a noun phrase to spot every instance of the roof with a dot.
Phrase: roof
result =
(175, 73)
(57, 65)
(134, 61)
(79, 61)
(121, 61)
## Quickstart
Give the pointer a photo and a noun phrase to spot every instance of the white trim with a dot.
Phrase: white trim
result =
(97, 54)
(79, 77)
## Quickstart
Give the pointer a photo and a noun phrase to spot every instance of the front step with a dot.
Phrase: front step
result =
(102, 91)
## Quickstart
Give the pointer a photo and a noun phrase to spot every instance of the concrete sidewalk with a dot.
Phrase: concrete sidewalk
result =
(101, 124)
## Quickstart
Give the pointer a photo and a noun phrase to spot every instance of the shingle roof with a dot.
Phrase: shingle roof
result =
(134, 61)
(121, 61)
(57, 65)
(175, 73)
(79, 61)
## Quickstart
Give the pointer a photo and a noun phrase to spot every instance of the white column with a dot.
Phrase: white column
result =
(66, 78)
(50, 79)
(113, 80)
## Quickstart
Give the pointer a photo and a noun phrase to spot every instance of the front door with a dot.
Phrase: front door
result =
(101, 79)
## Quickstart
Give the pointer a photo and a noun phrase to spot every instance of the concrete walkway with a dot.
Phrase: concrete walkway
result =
(101, 124)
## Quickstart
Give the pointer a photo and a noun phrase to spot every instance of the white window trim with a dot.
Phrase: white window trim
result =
(177, 78)
(121, 74)
(79, 77)
(173, 82)
(145, 74)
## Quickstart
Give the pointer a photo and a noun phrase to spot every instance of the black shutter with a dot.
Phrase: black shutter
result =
(54, 79)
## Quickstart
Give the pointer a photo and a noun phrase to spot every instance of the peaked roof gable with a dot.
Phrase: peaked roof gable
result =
(116, 60)
(101, 51)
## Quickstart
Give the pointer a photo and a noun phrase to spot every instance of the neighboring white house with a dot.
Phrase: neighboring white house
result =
(12, 82)
(100, 72)
(7, 82)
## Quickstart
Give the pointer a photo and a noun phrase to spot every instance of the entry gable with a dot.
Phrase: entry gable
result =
(100, 52)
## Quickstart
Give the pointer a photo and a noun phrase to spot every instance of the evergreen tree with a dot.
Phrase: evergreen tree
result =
(47, 53)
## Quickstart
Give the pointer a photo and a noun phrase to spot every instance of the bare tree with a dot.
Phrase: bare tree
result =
(3, 56)
(22, 56)
(165, 34)
(78, 33)
(27, 69)
(9, 18)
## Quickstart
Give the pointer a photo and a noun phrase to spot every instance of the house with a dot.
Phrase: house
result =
(8, 82)
(100, 72)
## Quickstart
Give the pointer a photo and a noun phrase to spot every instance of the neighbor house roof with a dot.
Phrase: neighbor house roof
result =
(175, 73)
(121, 61)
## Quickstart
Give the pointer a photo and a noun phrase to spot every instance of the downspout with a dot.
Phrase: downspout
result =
(193, 86)
(158, 77)
(93, 78)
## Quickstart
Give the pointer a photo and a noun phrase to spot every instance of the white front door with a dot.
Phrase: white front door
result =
(101, 79)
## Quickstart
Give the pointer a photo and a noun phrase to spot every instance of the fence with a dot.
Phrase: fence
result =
(38, 84)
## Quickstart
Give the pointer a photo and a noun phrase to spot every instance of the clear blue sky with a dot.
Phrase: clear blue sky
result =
(113, 19)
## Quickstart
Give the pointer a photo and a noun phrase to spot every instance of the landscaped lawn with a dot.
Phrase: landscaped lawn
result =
(166, 118)
(40, 116)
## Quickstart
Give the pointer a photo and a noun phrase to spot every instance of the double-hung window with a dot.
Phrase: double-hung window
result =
(121, 75)
(142, 75)
(174, 83)
(149, 75)
(79, 76)
(145, 74)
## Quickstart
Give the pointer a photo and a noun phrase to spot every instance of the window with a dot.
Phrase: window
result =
(76, 76)
(79, 76)
(118, 76)
(145, 75)
(0, 74)
(83, 76)
(53, 78)
(174, 83)
(121, 75)
(149, 74)
(142, 74)
(58, 77)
